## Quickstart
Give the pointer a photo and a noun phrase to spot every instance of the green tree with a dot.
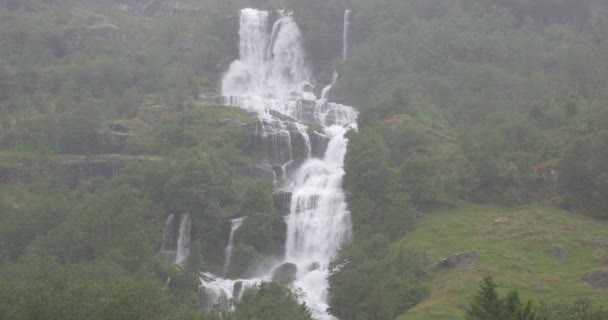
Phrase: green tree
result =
(487, 304)
(270, 301)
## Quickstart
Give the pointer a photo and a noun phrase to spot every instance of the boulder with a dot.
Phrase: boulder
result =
(119, 126)
(120, 130)
(464, 259)
(558, 252)
(12, 176)
(282, 200)
(285, 273)
(313, 266)
(236, 290)
(597, 279)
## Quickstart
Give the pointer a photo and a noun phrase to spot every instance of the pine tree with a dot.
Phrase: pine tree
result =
(486, 304)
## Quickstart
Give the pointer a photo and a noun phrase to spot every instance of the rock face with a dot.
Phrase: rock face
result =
(11, 176)
(282, 200)
(285, 273)
(76, 170)
(597, 279)
(464, 259)
(314, 266)
(558, 252)
(120, 130)
(76, 39)
(157, 7)
(238, 288)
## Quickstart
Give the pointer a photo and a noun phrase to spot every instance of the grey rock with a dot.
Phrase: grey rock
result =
(285, 273)
(282, 200)
(119, 127)
(597, 279)
(313, 266)
(464, 259)
(558, 252)
(238, 287)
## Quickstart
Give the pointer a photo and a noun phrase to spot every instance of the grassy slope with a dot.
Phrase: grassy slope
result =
(512, 245)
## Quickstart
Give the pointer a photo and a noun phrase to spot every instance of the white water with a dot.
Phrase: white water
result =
(176, 238)
(183, 240)
(272, 76)
(346, 34)
(235, 225)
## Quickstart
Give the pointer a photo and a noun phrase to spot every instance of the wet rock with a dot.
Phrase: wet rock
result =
(238, 287)
(464, 259)
(285, 273)
(313, 266)
(558, 252)
(279, 237)
(597, 279)
(318, 144)
(282, 200)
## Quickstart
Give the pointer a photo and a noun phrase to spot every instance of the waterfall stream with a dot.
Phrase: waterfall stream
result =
(346, 34)
(234, 226)
(273, 79)
(176, 238)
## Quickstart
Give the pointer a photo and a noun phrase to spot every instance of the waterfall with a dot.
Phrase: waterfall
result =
(183, 239)
(235, 225)
(273, 79)
(176, 238)
(169, 239)
(345, 35)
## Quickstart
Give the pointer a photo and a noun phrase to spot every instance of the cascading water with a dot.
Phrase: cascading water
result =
(169, 244)
(183, 240)
(273, 79)
(234, 226)
(176, 238)
(346, 34)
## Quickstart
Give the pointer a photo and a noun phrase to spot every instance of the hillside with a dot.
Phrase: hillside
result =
(160, 159)
(542, 252)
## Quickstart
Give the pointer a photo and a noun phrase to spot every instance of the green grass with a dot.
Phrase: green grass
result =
(512, 245)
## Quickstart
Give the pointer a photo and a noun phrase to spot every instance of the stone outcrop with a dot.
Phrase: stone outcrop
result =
(76, 169)
(597, 279)
(120, 130)
(157, 7)
(314, 266)
(464, 259)
(282, 200)
(285, 273)
(11, 176)
(558, 252)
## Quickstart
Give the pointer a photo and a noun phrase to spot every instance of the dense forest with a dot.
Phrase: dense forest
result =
(110, 123)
